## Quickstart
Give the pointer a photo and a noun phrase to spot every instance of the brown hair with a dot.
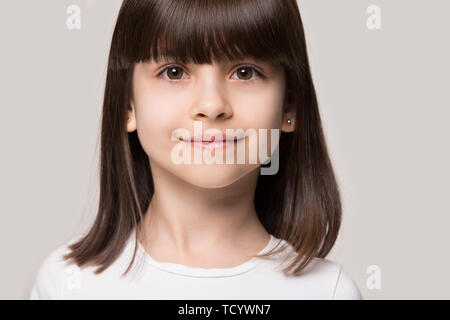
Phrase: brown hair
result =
(300, 204)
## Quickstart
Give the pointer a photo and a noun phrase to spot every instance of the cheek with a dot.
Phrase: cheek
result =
(263, 110)
(156, 119)
(155, 109)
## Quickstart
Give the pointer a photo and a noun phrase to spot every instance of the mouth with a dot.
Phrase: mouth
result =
(211, 140)
(211, 143)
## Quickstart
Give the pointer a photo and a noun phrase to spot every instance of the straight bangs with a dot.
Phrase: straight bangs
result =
(193, 31)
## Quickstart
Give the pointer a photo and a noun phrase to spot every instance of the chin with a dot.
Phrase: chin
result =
(213, 176)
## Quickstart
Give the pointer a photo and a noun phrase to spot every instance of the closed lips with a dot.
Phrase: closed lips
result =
(209, 140)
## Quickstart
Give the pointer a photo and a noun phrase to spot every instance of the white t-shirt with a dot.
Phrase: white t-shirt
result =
(151, 279)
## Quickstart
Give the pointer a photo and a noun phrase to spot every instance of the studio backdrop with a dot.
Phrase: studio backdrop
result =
(381, 70)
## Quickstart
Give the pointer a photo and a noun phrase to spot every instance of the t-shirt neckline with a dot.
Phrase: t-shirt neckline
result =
(185, 270)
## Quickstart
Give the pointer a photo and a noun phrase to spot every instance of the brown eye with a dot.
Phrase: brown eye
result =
(248, 74)
(173, 73)
(245, 73)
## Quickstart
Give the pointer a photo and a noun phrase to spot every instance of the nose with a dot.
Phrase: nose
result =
(210, 102)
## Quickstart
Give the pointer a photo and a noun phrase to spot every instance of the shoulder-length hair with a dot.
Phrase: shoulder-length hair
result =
(300, 204)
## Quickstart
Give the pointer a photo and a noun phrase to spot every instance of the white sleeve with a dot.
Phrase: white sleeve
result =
(346, 288)
(46, 285)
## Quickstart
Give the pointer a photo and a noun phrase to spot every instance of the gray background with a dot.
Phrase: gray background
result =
(384, 102)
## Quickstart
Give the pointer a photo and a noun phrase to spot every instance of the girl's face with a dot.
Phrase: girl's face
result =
(167, 96)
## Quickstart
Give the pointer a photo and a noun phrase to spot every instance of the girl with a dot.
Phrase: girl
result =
(207, 231)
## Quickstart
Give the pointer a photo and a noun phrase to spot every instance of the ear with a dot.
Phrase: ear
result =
(285, 125)
(131, 122)
(288, 112)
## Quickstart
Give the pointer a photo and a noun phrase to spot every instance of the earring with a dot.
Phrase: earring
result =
(289, 121)
(128, 118)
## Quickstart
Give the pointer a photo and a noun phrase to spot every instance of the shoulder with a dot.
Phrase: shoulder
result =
(324, 278)
(343, 286)
(50, 277)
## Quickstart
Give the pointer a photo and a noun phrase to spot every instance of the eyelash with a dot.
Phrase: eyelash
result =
(258, 74)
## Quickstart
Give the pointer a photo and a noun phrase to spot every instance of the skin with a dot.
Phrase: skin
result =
(203, 215)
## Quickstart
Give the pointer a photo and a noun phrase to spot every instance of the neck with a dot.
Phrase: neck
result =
(190, 219)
